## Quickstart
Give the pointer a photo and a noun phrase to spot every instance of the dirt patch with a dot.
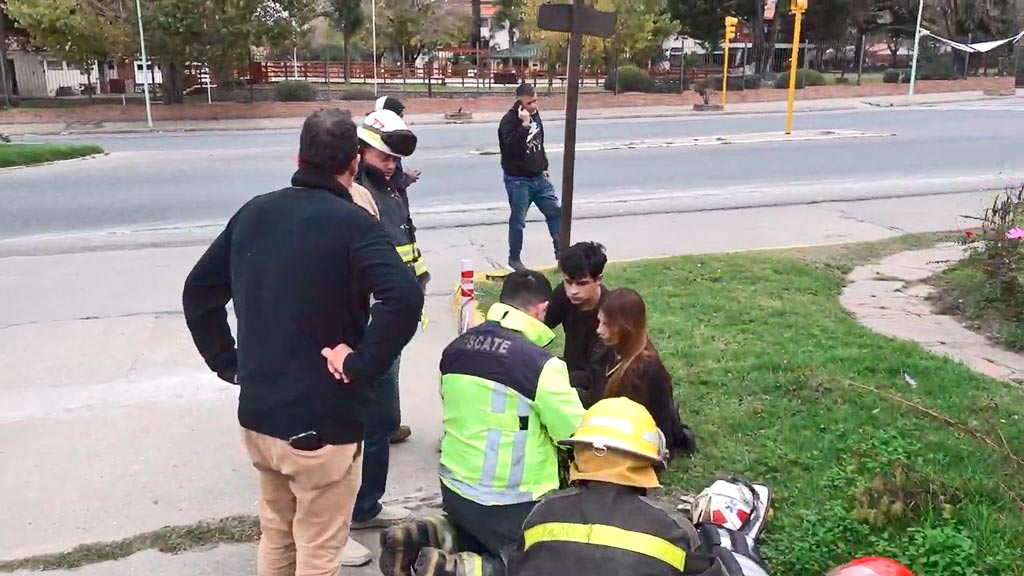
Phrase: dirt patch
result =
(422, 105)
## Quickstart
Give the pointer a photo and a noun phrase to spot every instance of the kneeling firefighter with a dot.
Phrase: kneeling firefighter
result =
(604, 524)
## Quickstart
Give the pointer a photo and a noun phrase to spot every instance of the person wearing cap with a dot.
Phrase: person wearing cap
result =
(604, 525)
(396, 106)
(507, 402)
(525, 166)
(384, 137)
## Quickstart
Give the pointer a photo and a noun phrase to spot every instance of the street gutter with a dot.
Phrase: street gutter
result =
(293, 123)
(496, 214)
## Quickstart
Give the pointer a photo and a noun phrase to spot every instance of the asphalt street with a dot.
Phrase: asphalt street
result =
(175, 180)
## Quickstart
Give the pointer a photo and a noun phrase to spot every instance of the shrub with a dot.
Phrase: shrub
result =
(631, 79)
(752, 82)
(987, 287)
(936, 67)
(896, 76)
(355, 94)
(664, 86)
(707, 87)
(803, 78)
(233, 84)
(294, 91)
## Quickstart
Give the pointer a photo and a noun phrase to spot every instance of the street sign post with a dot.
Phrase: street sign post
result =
(730, 33)
(577, 19)
(797, 7)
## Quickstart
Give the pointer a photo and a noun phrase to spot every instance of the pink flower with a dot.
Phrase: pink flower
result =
(1015, 234)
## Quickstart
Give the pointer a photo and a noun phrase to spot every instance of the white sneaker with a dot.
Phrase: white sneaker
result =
(355, 554)
(389, 516)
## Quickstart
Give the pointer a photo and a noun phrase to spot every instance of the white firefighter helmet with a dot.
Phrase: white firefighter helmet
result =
(726, 503)
(387, 132)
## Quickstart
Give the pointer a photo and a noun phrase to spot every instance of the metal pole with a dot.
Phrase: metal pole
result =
(746, 46)
(967, 55)
(725, 71)
(792, 70)
(616, 72)
(145, 64)
(3, 65)
(568, 58)
(682, 68)
(209, 94)
(860, 64)
(572, 100)
(917, 45)
(3, 77)
(373, 16)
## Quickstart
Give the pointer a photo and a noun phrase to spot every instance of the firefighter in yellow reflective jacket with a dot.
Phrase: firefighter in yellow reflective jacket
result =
(507, 404)
(604, 526)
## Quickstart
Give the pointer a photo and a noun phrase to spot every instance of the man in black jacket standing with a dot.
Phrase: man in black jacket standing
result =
(300, 265)
(525, 165)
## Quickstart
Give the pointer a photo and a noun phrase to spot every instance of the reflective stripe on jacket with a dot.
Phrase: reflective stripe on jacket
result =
(600, 529)
(412, 256)
(506, 401)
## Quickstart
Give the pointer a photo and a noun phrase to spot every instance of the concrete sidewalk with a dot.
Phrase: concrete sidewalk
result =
(111, 426)
(551, 116)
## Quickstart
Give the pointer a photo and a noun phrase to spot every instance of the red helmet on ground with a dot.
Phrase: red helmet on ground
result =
(872, 566)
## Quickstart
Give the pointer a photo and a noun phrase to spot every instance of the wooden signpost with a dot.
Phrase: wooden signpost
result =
(577, 19)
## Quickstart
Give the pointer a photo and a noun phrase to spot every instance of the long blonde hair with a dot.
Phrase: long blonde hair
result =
(626, 315)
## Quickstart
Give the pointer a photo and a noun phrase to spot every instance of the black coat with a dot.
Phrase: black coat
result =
(655, 393)
(522, 147)
(607, 505)
(300, 265)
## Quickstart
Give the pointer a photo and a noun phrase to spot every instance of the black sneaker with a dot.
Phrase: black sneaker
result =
(516, 264)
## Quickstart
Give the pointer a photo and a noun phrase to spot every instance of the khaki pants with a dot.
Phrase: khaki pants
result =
(306, 501)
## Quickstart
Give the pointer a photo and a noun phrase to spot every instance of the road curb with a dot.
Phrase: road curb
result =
(863, 102)
(484, 277)
(27, 166)
(433, 122)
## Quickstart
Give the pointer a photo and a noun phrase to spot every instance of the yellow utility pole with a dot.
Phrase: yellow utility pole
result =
(730, 33)
(797, 7)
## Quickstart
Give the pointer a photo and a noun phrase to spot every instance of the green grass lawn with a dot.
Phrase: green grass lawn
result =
(770, 372)
(28, 154)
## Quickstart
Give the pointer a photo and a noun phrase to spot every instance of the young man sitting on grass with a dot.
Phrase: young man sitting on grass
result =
(574, 306)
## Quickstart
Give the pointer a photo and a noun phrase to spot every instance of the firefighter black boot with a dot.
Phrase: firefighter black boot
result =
(434, 562)
(400, 545)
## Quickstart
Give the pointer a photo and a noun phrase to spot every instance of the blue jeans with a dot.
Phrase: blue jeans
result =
(385, 418)
(521, 193)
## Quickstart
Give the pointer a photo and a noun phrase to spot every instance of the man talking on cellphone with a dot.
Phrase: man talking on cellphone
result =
(525, 165)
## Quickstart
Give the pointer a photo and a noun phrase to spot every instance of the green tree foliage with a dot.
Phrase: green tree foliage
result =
(349, 19)
(640, 28)
(218, 32)
(702, 20)
(510, 15)
(80, 32)
(412, 27)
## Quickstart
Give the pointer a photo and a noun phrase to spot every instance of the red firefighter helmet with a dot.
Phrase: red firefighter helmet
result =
(872, 566)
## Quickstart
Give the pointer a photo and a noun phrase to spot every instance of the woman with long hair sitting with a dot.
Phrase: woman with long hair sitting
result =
(635, 370)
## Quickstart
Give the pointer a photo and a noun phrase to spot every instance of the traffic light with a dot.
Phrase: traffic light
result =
(797, 5)
(730, 25)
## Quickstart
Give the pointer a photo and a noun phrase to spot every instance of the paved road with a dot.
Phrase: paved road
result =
(170, 180)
